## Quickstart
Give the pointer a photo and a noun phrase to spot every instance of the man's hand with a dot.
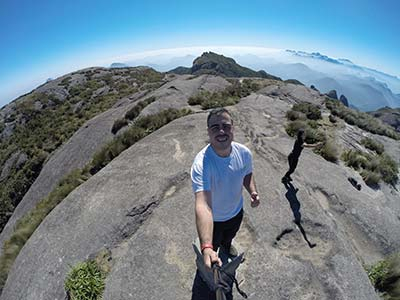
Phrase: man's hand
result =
(255, 199)
(210, 257)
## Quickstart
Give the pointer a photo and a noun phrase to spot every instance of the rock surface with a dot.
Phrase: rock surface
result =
(141, 208)
(79, 150)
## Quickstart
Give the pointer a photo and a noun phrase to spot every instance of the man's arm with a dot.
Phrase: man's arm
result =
(312, 145)
(250, 184)
(205, 226)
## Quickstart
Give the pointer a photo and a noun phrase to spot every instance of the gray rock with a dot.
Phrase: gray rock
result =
(332, 94)
(344, 100)
(22, 158)
(6, 168)
(77, 107)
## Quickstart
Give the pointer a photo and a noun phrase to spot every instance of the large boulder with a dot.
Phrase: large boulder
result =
(344, 100)
(332, 94)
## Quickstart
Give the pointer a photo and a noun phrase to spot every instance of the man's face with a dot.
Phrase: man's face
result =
(220, 131)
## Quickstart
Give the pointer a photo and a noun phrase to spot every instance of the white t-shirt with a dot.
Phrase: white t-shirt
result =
(223, 176)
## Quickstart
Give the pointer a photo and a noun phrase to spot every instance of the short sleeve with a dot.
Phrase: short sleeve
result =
(200, 176)
(248, 159)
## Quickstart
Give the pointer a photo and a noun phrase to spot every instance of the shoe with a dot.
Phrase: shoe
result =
(232, 251)
(289, 178)
(285, 179)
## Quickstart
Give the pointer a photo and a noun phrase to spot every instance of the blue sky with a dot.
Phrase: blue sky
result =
(42, 39)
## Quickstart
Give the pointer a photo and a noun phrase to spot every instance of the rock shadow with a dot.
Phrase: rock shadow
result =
(295, 206)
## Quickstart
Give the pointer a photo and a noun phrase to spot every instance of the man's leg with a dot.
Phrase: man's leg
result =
(218, 228)
(231, 227)
(292, 166)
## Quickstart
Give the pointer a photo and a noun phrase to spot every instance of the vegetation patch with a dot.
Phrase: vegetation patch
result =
(142, 127)
(385, 277)
(135, 111)
(311, 111)
(230, 96)
(43, 123)
(118, 124)
(360, 119)
(85, 281)
(308, 116)
(372, 167)
(373, 145)
(329, 151)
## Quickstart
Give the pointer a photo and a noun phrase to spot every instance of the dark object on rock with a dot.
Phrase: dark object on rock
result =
(332, 94)
(344, 100)
(314, 88)
(354, 183)
(332, 118)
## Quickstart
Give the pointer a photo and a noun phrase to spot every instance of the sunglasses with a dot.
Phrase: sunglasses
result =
(217, 127)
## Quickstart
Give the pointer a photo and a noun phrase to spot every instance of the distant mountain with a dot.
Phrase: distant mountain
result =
(163, 63)
(118, 65)
(365, 88)
(212, 63)
(389, 116)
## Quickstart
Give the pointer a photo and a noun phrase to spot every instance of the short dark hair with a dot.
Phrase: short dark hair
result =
(217, 112)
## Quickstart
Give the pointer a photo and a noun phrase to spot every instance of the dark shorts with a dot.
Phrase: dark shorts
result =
(224, 232)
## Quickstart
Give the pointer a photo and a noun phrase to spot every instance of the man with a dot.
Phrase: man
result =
(293, 157)
(219, 172)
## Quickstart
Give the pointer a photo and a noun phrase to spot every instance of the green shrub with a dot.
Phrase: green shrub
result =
(293, 127)
(373, 167)
(66, 81)
(85, 281)
(75, 91)
(360, 119)
(373, 145)
(313, 124)
(378, 272)
(355, 159)
(329, 151)
(230, 96)
(219, 102)
(370, 178)
(312, 111)
(388, 168)
(199, 98)
(292, 115)
(385, 277)
(135, 111)
(118, 124)
(314, 136)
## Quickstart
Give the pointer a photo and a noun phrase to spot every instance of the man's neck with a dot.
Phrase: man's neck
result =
(224, 152)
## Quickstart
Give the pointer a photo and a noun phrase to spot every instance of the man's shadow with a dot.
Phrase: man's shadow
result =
(295, 206)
